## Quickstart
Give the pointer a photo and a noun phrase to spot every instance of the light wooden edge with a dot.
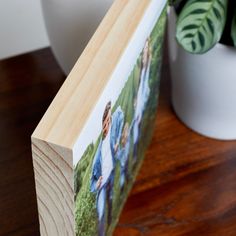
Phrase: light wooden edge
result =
(53, 170)
(71, 107)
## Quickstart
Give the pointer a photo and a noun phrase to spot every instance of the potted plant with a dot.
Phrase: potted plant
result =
(202, 36)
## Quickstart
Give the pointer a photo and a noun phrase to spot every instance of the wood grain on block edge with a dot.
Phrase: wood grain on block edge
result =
(66, 116)
(53, 170)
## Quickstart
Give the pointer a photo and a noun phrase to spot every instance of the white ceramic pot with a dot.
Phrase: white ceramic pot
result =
(204, 87)
(70, 25)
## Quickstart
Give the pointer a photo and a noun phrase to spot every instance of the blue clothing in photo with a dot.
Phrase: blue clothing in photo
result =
(142, 98)
(123, 157)
(105, 192)
(116, 130)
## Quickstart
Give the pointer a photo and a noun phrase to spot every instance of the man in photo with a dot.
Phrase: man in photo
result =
(142, 94)
(102, 179)
(123, 155)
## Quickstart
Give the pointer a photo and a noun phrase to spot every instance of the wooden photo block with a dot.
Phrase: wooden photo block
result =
(89, 145)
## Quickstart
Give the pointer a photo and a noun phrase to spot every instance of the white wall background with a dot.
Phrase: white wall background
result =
(21, 27)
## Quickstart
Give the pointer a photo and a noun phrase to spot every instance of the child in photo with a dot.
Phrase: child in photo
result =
(123, 155)
(142, 94)
(102, 179)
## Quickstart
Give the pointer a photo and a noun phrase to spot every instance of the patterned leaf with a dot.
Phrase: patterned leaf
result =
(233, 29)
(201, 24)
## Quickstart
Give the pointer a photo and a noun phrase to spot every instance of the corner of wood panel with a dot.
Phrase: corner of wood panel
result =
(53, 171)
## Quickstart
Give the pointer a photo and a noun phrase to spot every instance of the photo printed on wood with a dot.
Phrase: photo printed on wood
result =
(90, 143)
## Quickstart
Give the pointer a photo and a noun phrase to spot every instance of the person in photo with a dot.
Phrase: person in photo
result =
(102, 179)
(142, 94)
(123, 155)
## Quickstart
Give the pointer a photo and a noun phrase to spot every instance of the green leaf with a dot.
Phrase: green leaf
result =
(233, 29)
(173, 2)
(200, 24)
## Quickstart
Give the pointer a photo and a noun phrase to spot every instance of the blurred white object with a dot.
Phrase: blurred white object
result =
(21, 27)
(70, 25)
(204, 87)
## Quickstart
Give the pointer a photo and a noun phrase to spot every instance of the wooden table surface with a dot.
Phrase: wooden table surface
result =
(187, 184)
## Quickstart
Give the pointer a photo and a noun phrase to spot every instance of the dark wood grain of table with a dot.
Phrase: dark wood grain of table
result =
(186, 186)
